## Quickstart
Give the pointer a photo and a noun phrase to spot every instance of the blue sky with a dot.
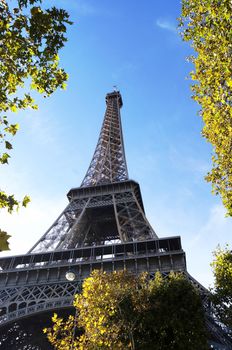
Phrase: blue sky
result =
(134, 45)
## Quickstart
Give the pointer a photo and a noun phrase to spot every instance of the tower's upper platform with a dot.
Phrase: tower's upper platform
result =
(113, 95)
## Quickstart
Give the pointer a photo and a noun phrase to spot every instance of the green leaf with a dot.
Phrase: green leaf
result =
(117, 309)
(4, 244)
(13, 108)
(25, 201)
(35, 10)
(31, 39)
(207, 26)
(12, 129)
(4, 158)
(8, 145)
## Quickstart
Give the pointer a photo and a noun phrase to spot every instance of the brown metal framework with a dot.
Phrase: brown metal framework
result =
(108, 164)
(104, 226)
(107, 206)
(98, 215)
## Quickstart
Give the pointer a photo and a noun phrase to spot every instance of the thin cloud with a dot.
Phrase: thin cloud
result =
(125, 68)
(28, 225)
(216, 230)
(185, 163)
(217, 227)
(166, 25)
(82, 7)
(41, 128)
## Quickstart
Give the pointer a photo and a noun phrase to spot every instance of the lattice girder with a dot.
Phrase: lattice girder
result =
(103, 227)
(22, 298)
(34, 283)
(96, 215)
(108, 164)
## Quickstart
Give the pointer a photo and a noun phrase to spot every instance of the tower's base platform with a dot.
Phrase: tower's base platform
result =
(34, 285)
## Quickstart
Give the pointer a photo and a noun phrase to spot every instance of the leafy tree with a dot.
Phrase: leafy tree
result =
(222, 296)
(120, 311)
(30, 39)
(207, 25)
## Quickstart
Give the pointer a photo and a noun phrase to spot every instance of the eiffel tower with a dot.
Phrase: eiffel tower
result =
(104, 226)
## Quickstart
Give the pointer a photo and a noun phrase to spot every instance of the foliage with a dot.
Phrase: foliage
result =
(30, 38)
(207, 24)
(120, 311)
(222, 297)
(4, 245)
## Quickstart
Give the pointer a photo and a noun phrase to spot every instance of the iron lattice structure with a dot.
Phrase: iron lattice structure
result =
(104, 226)
(107, 206)
(109, 162)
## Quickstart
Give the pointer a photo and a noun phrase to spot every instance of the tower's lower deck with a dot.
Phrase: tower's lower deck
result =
(34, 283)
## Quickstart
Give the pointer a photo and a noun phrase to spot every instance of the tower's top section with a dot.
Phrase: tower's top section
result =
(113, 95)
(108, 164)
